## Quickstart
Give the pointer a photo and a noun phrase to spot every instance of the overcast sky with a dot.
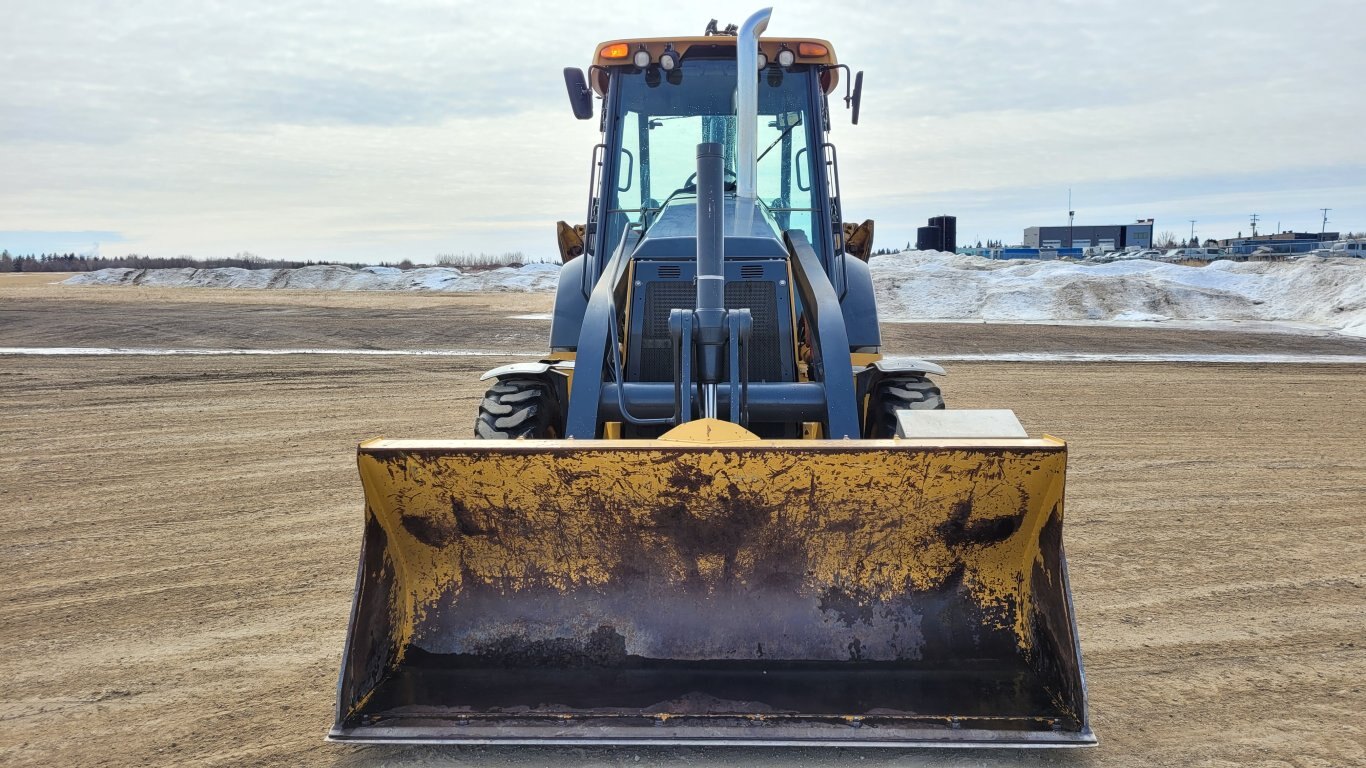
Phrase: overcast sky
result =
(368, 131)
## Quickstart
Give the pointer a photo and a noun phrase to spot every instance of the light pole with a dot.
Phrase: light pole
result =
(1324, 226)
(1070, 214)
(1193, 243)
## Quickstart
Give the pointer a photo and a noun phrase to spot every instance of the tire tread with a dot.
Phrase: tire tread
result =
(912, 392)
(518, 408)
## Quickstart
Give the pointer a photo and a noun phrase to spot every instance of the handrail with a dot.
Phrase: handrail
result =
(837, 274)
(591, 221)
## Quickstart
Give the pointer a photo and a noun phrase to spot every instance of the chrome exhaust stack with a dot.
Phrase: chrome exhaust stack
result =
(747, 106)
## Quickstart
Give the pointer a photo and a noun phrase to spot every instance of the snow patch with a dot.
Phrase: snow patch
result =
(917, 286)
(525, 279)
(927, 286)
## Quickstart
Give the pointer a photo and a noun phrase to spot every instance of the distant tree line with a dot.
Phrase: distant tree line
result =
(70, 262)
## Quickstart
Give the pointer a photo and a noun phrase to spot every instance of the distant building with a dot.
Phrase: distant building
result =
(1283, 237)
(1115, 237)
(1284, 242)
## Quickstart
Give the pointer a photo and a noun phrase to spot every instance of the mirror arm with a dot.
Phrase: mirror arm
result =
(853, 89)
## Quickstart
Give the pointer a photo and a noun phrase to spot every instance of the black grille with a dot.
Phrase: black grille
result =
(765, 357)
(765, 352)
(656, 363)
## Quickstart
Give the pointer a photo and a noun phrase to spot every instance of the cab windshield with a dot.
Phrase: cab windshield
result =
(661, 118)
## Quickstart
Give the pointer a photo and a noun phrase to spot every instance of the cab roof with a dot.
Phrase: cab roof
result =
(682, 45)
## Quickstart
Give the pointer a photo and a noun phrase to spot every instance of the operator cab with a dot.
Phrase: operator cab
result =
(656, 123)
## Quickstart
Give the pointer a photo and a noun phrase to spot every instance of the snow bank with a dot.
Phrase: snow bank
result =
(528, 278)
(929, 285)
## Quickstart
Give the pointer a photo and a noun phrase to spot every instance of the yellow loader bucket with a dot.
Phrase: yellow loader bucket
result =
(891, 592)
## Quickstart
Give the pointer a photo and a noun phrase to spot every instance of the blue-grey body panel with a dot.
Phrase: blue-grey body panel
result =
(581, 419)
(830, 363)
(748, 231)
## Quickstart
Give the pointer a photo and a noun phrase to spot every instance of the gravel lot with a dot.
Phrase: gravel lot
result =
(180, 533)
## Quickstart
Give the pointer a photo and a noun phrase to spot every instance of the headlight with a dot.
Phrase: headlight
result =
(668, 60)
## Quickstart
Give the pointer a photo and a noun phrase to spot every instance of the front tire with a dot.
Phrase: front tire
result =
(518, 408)
(898, 393)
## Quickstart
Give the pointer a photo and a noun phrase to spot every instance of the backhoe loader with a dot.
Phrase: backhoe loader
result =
(714, 513)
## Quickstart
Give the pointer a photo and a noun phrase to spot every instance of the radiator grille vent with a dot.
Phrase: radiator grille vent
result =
(765, 356)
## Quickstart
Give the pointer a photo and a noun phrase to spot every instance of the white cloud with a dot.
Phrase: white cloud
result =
(382, 131)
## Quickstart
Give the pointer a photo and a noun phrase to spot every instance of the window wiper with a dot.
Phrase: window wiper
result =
(781, 136)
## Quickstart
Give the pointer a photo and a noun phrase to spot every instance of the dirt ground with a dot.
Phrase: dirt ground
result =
(179, 534)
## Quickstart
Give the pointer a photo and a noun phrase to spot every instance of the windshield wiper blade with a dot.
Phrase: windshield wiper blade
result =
(781, 136)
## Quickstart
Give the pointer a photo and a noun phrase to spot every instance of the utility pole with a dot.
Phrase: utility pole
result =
(1193, 243)
(1324, 226)
(1254, 225)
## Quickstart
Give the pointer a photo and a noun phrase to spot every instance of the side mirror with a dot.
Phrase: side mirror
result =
(580, 98)
(858, 95)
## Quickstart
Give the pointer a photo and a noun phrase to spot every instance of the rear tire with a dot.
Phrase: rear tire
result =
(898, 393)
(518, 408)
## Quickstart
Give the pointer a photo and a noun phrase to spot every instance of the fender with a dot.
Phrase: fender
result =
(909, 365)
(570, 304)
(530, 369)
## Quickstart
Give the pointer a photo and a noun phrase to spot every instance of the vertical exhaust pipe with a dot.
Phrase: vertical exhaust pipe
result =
(747, 104)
